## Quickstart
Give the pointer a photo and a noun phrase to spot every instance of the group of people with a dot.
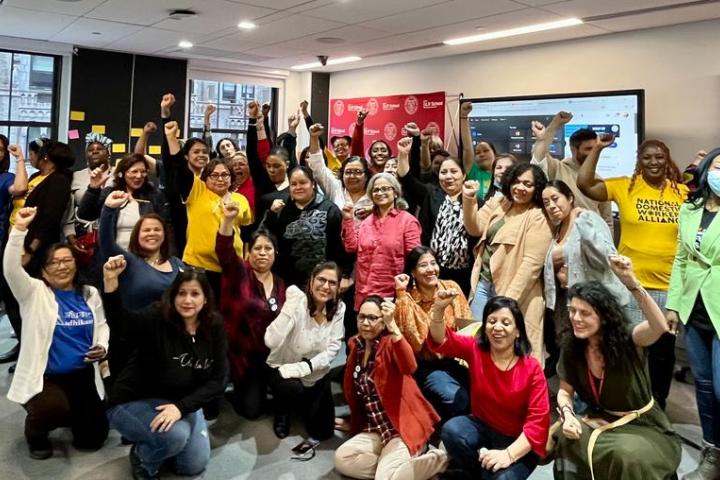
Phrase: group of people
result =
(143, 293)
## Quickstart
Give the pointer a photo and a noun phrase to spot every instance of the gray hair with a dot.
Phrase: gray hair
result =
(394, 183)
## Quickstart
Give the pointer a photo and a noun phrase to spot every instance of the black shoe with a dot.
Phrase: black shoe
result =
(11, 370)
(281, 425)
(138, 471)
(40, 449)
(11, 355)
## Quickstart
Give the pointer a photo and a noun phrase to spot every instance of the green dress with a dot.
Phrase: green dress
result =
(646, 448)
(485, 179)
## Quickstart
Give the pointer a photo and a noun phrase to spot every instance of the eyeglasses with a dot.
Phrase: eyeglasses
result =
(354, 173)
(383, 189)
(56, 262)
(142, 173)
(323, 281)
(368, 318)
(219, 176)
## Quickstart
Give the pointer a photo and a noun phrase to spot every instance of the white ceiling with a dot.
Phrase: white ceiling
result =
(288, 30)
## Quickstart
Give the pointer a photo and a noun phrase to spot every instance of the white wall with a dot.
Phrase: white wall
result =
(678, 66)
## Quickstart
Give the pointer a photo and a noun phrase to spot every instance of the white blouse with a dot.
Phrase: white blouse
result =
(295, 335)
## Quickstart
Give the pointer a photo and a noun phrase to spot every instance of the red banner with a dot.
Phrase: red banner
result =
(388, 115)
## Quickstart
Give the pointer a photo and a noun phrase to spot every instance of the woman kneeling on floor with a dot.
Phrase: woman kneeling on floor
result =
(391, 418)
(507, 430)
(180, 364)
(64, 335)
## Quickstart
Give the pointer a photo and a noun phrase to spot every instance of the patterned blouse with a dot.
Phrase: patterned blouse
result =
(449, 238)
(378, 421)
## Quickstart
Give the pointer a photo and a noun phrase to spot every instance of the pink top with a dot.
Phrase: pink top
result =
(381, 245)
(511, 402)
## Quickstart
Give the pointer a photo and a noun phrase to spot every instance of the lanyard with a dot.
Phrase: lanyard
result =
(595, 390)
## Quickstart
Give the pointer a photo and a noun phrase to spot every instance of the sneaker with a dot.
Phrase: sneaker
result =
(138, 471)
(40, 449)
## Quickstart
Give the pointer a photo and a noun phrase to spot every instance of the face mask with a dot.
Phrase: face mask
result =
(713, 179)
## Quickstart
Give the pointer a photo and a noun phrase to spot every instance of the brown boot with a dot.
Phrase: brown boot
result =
(709, 467)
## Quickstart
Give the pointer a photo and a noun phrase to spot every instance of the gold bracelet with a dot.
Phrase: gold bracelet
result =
(512, 459)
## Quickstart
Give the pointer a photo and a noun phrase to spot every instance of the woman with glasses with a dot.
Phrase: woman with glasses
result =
(440, 214)
(304, 340)
(391, 420)
(204, 197)
(57, 379)
(129, 176)
(514, 238)
(381, 241)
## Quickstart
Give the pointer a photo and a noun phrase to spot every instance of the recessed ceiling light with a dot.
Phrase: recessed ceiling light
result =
(246, 25)
(335, 61)
(185, 44)
(511, 32)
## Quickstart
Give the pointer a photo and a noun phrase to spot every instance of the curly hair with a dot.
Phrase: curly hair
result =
(615, 341)
(672, 172)
(512, 174)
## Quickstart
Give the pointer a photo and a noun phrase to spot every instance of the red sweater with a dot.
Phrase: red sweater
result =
(512, 402)
(409, 412)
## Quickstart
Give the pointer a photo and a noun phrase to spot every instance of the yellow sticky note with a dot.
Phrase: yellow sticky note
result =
(77, 116)
(154, 149)
(98, 129)
(118, 148)
(136, 132)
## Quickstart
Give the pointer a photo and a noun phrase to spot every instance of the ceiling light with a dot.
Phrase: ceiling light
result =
(511, 32)
(185, 44)
(336, 61)
(245, 25)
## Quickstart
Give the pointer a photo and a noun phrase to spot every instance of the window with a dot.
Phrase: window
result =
(231, 100)
(28, 96)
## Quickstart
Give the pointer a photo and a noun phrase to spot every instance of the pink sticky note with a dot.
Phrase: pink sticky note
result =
(73, 134)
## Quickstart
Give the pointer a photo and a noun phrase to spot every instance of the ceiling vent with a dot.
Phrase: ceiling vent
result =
(181, 14)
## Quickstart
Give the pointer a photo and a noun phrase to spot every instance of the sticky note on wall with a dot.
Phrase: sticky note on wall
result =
(98, 129)
(118, 148)
(154, 150)
(136, 132)
(77, 116)
(73, 134)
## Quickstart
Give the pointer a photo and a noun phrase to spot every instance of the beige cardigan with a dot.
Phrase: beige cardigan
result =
(517, 263)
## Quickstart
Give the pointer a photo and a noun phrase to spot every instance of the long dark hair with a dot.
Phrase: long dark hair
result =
(217, 147)
(412, 259)
(615, 341)
(702, 193)
(134, 246)
(332, 305)
(539, 178)
(5, 162)
(521, 346)
(208, 314)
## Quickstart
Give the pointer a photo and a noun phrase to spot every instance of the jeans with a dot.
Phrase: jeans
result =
(187, 443)
(444, 382)
(464, 436)
(661, 354)
(703, 350)
(483, 292)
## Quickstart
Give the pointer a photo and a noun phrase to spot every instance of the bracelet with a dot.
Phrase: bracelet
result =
(512, 459)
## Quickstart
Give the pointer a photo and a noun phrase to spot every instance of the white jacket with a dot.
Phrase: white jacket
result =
(39, 312)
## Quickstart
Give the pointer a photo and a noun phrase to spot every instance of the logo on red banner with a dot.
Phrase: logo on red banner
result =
(411, 105)
(339, 108)
(372, 107)
(428, 104)
(390, 131)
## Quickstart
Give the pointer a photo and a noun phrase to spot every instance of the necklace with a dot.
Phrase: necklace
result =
(507, 367)
(153, 261)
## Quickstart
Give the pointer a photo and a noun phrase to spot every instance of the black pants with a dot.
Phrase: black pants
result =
(249, 398)
(460, 276)
(661, 361)
(215, 280)
(68, 400)
(314, 404)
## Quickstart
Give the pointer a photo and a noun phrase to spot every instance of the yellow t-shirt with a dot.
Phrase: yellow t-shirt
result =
(204, 213)
(19, 202)
(648, 227)
(332, 162)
